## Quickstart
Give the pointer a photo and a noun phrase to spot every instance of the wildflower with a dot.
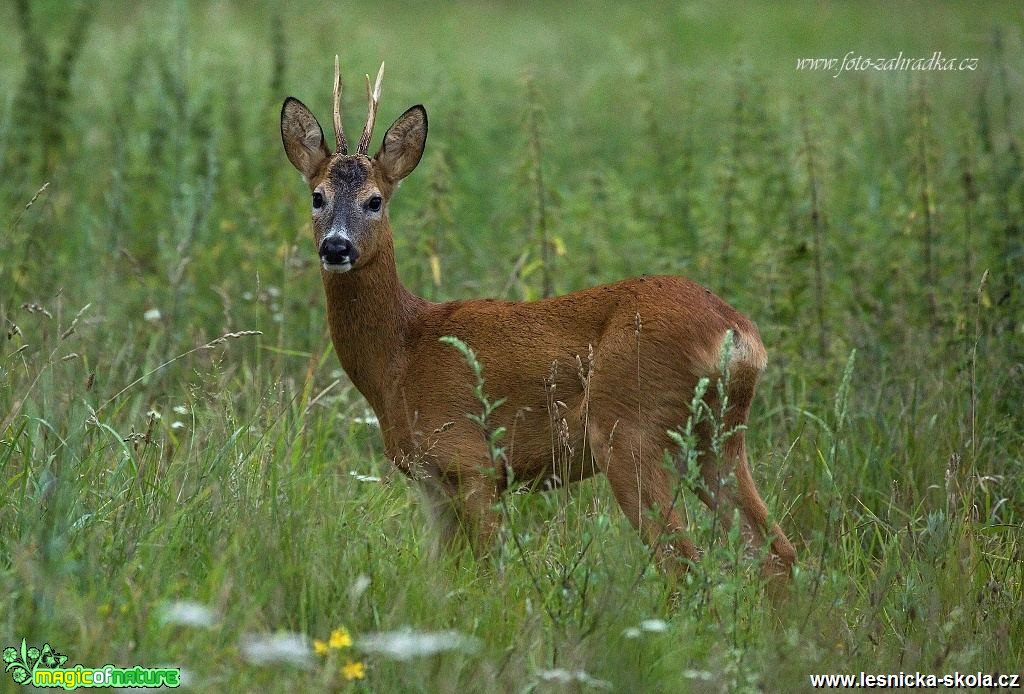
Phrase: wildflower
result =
(319, 647)
(263, 649)
(562, 676)
(188, 613)
(353, 671)
(152, 315)
(406, 644)
(698, 675)
(340, 638)
(359, 586)
(654, 625)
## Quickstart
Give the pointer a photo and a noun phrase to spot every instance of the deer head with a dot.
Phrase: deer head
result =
(350, 192)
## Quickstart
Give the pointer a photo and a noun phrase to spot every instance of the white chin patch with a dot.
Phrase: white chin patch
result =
(336, 267)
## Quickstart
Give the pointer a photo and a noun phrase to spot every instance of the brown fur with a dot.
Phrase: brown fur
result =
(651, 338)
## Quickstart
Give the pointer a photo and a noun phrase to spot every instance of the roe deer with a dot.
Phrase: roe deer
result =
(647, 342)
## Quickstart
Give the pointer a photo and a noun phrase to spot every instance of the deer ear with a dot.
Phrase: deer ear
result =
(403, 144)
(303, 138)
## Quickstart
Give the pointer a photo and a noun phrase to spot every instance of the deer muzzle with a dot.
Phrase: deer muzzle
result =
(337, 253)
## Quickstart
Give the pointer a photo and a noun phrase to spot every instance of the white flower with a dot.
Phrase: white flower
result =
(188, 613)
(181, 409)
(562, 676)
(285, 647)
(152, 315)
(406, 644)
(359, 586)
(654, 625)
(698, 675)
(178, 425)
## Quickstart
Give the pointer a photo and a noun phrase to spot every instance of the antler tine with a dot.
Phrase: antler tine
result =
(339, 131)
(374, 98)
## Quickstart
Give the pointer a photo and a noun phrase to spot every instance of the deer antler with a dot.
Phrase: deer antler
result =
(374, 98)
(339, 131)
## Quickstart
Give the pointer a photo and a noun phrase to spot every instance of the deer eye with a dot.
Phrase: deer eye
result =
(374, 203)
(318, 200)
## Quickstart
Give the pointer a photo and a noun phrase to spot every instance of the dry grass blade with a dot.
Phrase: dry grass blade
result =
(30, 203)
(20, 402)
(209, 345)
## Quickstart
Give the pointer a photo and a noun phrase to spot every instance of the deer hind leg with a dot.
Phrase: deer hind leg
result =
(729, 485)
(643, 490)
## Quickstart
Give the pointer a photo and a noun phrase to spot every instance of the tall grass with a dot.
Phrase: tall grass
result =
(871, 224)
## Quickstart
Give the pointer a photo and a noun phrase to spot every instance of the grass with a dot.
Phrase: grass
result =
(872, 225)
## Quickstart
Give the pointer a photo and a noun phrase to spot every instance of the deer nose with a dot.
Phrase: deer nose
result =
(337, 250)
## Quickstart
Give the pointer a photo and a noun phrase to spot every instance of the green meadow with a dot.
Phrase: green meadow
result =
(189, 479)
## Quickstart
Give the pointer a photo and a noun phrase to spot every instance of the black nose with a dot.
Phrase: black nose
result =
(336, 250)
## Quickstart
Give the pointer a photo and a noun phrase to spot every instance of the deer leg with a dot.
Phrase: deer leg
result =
(444, 519)
(462, 513)
(478, 496)
(643, 490)
(724, 496)
(729, 486)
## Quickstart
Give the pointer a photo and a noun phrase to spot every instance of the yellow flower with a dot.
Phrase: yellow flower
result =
(353, 671)
(319, 647)
(340, 638)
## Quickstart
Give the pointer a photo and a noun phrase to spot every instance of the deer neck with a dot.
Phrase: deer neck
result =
(370, 314)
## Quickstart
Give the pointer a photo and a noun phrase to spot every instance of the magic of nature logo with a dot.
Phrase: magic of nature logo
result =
(44, 667)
